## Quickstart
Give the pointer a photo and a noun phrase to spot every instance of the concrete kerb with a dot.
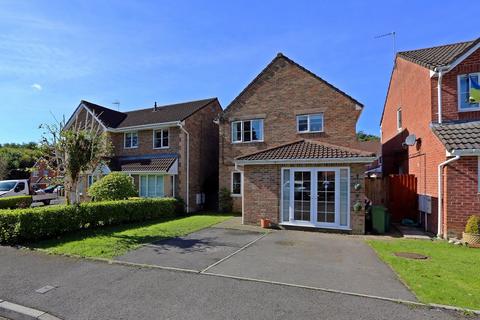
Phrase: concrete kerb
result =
(15, 311)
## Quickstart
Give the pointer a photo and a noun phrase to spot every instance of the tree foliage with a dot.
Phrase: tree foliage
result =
(114, 186)
(82, 147)
(16, 159)
(362, 136)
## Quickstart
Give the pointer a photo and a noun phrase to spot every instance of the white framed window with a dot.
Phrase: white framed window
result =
(399, 119)
(91, 180)
(307, 123)
(247, 131)
(161, 139)
(463, 85)
(152, 186)
(236, 183)
(130, 140)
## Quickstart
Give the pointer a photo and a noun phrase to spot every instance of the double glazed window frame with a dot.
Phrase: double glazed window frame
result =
(399, 119)
(147, 180)
(164, 135)
(132, 134)
(459, 92)
(233, 131)
(308, 117)
(314, 170)
(240, 183)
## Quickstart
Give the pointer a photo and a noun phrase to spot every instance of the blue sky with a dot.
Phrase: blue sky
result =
(55, 53)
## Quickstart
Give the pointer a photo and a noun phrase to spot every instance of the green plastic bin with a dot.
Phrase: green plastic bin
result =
(380, 219)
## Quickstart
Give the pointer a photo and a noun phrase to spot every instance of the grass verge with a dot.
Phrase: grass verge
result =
(114, 241)
(450, 276)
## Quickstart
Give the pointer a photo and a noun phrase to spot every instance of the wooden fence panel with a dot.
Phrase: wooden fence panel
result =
(376, 190)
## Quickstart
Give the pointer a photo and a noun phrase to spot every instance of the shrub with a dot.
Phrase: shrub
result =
(473, 225)
(114, 186)
(31, 224)
(225, 201)
(15, 202)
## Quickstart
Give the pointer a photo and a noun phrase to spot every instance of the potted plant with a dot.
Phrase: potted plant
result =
(472, 230)
(265, 223)
(357, 206)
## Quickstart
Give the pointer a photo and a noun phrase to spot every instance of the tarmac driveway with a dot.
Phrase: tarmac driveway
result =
(328, 261)
(320, 260)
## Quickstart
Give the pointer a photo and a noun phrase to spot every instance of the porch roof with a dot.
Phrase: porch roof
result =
(463, 136)
(307, 151)
(160, 164)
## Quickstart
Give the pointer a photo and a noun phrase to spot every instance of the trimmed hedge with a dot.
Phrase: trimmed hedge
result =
(23, 225)
(15, 202)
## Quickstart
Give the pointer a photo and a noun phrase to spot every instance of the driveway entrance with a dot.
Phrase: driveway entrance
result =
(312, 259)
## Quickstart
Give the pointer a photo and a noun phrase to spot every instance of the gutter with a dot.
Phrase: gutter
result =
(182, 127)
(305, 161)
(440, 193)
(145, 126)
(465, 152)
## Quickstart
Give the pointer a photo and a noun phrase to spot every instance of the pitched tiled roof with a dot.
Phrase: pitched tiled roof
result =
(290, 61)
(305, 150)
(143, 164)
(167, 113)
(459, 136)
(439, 56)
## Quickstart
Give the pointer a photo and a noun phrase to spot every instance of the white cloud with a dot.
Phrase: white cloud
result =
(36, 87)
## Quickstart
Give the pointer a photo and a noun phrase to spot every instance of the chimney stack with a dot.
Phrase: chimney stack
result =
(155, 106)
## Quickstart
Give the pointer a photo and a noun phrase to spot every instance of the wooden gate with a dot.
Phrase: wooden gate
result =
(402, 197)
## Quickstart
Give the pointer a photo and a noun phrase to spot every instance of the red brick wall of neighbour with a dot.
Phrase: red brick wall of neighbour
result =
(410, 89)
(280, 94)
(262, 194)
(449, 91)
(461, 194)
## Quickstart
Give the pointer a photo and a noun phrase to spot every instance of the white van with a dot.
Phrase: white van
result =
(10, 188)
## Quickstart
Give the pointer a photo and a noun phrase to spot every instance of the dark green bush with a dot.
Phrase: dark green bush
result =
(114, 186)
(15, 202)
(225, 201)
(23, 225)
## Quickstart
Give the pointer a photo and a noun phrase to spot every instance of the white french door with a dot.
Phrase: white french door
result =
(316, 197)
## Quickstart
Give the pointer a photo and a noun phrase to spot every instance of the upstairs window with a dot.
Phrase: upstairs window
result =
(399, 119)
(131, 140)
(310, 123)
(160, 139)
(464, 85)
(247, 131)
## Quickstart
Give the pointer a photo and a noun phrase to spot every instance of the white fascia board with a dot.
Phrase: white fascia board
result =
(159, 125)
(306, 161)
(465, 152)
(79, 108)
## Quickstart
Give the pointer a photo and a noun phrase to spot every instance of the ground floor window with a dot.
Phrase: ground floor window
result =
(236, 183)
(152, 186)
(316, 197)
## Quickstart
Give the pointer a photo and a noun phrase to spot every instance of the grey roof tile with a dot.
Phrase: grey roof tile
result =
(458, 136)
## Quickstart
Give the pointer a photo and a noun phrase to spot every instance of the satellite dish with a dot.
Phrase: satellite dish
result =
(411, 140)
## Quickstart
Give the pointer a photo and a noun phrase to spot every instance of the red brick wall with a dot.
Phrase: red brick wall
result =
(278, 95)
(262, 193)
(145, 143)
(461, 194)
(449, 91)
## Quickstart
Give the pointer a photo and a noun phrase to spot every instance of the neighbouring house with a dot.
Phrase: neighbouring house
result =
(40, 175)
(431, 130)
(286, 151)
(169, 151)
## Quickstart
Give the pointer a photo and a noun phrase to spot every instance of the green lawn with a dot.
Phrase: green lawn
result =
(114, 241)
(450, 276)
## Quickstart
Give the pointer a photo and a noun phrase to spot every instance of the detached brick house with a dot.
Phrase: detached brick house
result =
(169, 150)
(286, 151)
(428, 100)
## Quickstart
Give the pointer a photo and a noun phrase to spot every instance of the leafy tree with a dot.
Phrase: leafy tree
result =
(3, 168)
(114, 186)
(71, 151)
(16, 159)
(362, 136)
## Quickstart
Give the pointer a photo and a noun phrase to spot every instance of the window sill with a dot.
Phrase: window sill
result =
(161, 148)
(248, 142)
(130, 147)
(235, 195)
(303, 132)
(468, 110)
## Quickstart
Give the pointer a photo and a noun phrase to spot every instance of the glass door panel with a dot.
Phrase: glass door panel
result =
(302, 195)
(326, 203)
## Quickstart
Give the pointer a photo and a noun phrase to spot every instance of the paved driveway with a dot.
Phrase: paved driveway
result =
(195, 251)
(327, 261)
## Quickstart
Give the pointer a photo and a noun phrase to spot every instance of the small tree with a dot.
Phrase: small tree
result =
(83, 146)
(114, 186)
